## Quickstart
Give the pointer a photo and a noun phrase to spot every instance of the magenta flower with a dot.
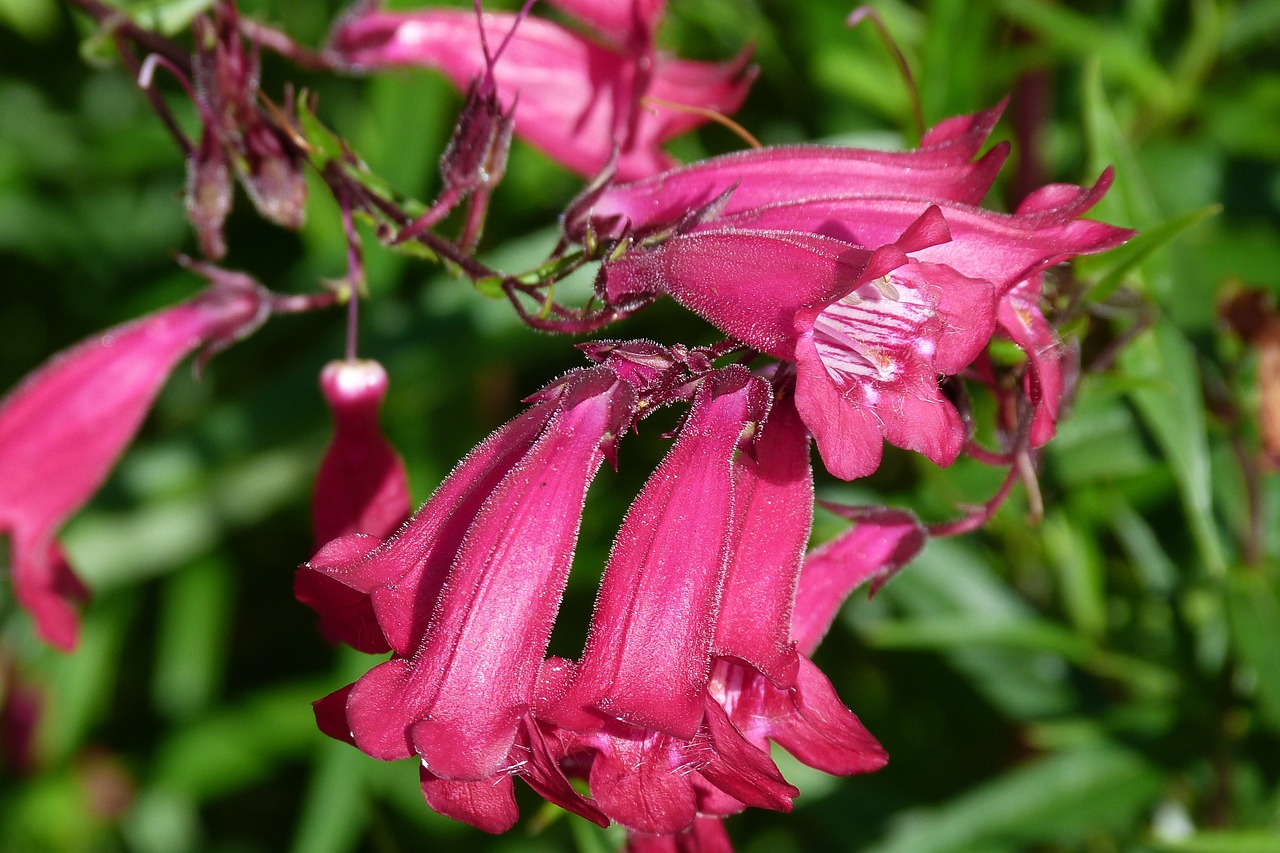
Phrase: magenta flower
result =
(458, 701)
(63, 428)
(667, 725)
(773, 514)
(574, 98)
(361, 488)
(871, 297)
(401, 576)
(941, 169)
(649, 649)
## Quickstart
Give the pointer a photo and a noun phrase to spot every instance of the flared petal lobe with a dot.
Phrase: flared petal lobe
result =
(63, 428)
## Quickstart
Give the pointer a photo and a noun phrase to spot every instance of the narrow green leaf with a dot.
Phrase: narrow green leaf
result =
(1125, 259)
(1172, 408)
(1121, 54)
(1075, 556)
(1064, 797)
(1254, 612)
(191, 638)
(1236, 841)
(335, 809)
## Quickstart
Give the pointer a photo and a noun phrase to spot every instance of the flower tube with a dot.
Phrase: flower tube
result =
(63, 428)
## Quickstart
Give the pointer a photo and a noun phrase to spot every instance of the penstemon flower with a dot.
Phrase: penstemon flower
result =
(63, 428)
(458, 700)
(872, 298)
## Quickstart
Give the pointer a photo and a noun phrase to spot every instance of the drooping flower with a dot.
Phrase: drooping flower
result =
(575, 98)
(63, 428)
(458, 700)
(361, 488)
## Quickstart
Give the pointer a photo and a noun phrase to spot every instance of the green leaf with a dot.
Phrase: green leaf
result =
(1254, 611)
(238, 746)
(1172, 408)
(335, 810)
(1125, 259)
(1065, 796)
(191, 637)
(1236, 841)
(1075, 555)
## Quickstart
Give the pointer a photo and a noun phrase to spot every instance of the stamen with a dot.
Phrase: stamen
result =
(718, 117)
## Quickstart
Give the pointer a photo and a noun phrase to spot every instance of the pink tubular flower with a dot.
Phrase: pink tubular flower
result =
(578, 98)
(361, 488)
(872, 297)
(63, 428)
(458, 701)
(868, 330)
(649, 648)
(656, 781)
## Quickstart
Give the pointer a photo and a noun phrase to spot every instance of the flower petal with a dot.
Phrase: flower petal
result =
(773, 513)
(880, 542)
(488, 804)
(811, 723)
(750, 284)
(941, 169)
(648, 650)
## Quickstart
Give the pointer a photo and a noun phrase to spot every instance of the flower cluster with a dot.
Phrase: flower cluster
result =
(857, 291)
(868, 276)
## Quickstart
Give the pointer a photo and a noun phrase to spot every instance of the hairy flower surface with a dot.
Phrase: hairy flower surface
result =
(649, 648)
(574, 97)
(458, 700)
(63, 428)
(942, 169)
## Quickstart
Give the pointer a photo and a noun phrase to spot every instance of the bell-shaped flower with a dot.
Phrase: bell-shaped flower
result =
(63, 428)
(649, 648)
(574, 97)
(941, 169)
(361, 488)
(458, 700)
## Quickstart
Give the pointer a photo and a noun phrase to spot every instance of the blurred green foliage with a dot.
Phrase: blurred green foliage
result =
(1108, 680)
